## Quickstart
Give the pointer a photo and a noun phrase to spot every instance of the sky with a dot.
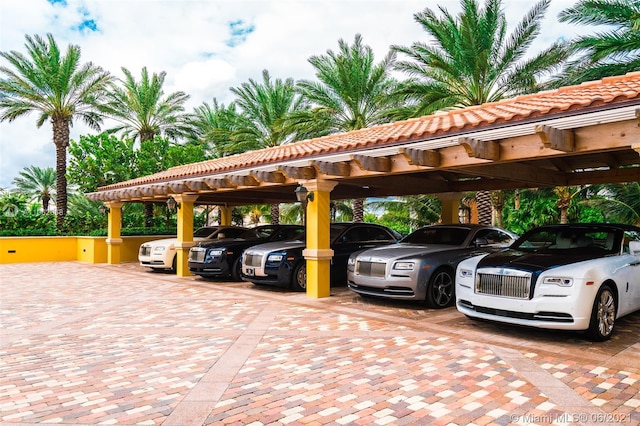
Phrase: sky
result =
(206, 47)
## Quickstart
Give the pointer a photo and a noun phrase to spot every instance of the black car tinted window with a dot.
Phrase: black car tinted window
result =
(204, 232)
(439, 235)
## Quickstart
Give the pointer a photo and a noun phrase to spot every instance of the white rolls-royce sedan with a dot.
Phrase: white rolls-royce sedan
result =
(570, 277)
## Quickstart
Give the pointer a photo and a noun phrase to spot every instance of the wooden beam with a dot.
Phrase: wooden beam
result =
(147, 191)
(217, 183)
(372, 164)
(518, 172)
(177, 187)
(244, 180)
(475, 148)
(292, 172)
(338, 168)
(622, 175)
(271, 177)
(421, 157)
(558, 139)
(195, 185)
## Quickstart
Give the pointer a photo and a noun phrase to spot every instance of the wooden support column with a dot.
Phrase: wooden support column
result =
(450, 207)
(225, 215)
(318, 251)
(185, 233)
(114, 224)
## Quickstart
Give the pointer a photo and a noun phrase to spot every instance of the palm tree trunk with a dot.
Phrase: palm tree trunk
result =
(358, 210)
(483, 199)
(61, 141)
(275, 214)
(497, 204)
(148, 215)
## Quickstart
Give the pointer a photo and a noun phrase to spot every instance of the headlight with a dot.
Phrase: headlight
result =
(559, 281)
(404, 266)
(275, 257)
(466, 273)
(351, 261)
(216, 252)
(159, 249)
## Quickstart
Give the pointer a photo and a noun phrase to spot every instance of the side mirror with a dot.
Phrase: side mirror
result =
(634, 248)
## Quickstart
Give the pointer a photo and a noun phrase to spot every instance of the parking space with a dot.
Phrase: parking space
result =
(117, 344)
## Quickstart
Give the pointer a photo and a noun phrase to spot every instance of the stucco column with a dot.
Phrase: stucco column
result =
(450, 207)
(185, 233)
(318, 252)
(225, 215)
(114, 225)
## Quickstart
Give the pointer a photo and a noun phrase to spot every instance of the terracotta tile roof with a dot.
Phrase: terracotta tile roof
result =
(592, 94)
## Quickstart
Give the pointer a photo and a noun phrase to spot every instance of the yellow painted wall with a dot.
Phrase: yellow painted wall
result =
(59, 249)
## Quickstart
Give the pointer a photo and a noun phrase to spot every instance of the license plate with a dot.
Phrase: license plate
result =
(250, 272)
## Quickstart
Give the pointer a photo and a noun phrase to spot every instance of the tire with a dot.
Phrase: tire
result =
(603, 315)
(440, 289)
(236, 270)
(299, 277)
(174, 264)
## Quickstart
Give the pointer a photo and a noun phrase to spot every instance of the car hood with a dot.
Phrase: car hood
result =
(231, 242)
(277, 246)
(531, 261)
(400, 250)
(167, 242)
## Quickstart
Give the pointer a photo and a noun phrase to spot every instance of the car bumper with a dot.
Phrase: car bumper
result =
(209, 269)
(560, 312)
(154, 262)
(401, 288)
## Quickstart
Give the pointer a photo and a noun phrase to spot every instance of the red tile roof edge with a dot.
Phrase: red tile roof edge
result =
(593, 93)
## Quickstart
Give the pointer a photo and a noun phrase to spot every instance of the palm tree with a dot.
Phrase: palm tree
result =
(37, 184)
(353, 92)
(144, 112)
(59, 88)
(615, 51)
(470, 60)
(263, 122)
(214, 126)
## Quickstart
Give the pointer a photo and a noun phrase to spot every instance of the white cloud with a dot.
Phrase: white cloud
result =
(208, 46)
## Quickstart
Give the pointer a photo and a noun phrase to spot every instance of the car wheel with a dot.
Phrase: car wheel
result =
(174, 264)
(236, 270)
(299, 278)
(440, 290)
(603, 315)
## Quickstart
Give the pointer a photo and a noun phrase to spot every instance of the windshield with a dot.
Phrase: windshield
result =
(204, 232)
(570, 240)
(437, 235)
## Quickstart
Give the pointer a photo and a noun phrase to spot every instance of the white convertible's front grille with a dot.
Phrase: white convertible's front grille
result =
(145, 250)
(505, 284)
(370, 269)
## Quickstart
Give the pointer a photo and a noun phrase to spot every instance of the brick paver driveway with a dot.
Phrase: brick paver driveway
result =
(100, 344)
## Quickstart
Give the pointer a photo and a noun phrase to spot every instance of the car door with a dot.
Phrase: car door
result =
(631, 273)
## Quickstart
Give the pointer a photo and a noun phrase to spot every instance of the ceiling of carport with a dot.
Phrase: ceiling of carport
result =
(576, 135)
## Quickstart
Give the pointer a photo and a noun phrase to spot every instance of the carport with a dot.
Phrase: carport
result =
(575, 135)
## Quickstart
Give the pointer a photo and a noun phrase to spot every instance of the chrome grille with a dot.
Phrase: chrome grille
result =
(371, 269)
(253, 259)
(197, 254)
(145, 250)
(512, 285)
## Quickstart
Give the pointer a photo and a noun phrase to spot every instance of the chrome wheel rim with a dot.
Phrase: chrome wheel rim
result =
(441, 289)
(606, 313)
(301, 277)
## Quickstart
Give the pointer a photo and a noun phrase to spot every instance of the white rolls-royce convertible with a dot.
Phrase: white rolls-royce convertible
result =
(570, 277)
